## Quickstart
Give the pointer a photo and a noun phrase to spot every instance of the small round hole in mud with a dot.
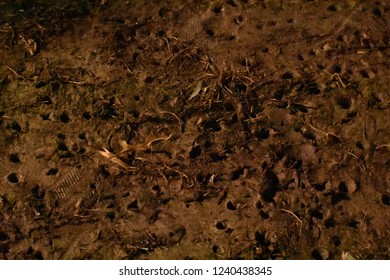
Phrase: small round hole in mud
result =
(217, 9)
(310, 87)
(240, 87)
(216, 157)
(156, 189)
(316, 214)
(386, 199)
(337, 197)
(236, 174)
(15, 126)
(352, 114)
(319, 187)
(45, 117)
(52, 172)
(133, 205)
(40, 84)
(336, 240)
(265, 50)
(86, 115)
(62, 147)
(214, 249)
(309, 135)
(364, 74)
(359, 145)
(340, 38)
(195, 152)
(271, 187)
(262, 134)
(377, 12)
(13, 178)
(272, 23)
(61, 136)
(343, 187)
(316, 254)
(336, 69)
(111, 215)
(220, 225)
(264, 215)
(14, 158)
(64, 117)
(287, 76)
(38, 256)
(353, 223)
(3, 236)
(148, 80)
(332, 8)
(260, 239)
(239, 19)
(103, 171)
(329, 223)
(344, 102)
(208, 144)
(210, 32)
(82, 136)
(212, 125)
(231, 206)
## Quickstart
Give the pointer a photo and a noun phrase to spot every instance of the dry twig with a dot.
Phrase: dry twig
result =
(295, 216)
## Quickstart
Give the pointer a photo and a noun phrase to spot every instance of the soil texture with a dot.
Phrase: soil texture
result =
(226, 129)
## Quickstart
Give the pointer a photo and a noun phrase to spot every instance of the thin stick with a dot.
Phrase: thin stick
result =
(361, 162)
(15, 73)
(296, 217)
(177, 118)
(320, 131)
(158, 139)
(127, 67)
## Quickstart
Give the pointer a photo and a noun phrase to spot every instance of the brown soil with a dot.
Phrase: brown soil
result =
(195, 129)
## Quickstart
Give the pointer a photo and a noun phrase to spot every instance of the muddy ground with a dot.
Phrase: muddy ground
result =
(194, 129)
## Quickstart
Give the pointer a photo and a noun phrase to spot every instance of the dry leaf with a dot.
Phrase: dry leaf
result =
(144, 146)
(158, 139)
(112, 157)
(29, 44)
(347, 256)
(132, 148)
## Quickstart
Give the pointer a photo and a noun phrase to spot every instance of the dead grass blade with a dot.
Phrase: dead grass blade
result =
(14, 72)
(331, 137)
(144, 146)
(176, 117)
(158, 139)
(112, 157)
(132, 148)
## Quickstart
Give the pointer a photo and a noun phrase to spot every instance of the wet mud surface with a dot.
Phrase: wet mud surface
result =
(194, 130)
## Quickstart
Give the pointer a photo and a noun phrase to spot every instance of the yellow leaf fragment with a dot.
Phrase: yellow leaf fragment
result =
(112, 157)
